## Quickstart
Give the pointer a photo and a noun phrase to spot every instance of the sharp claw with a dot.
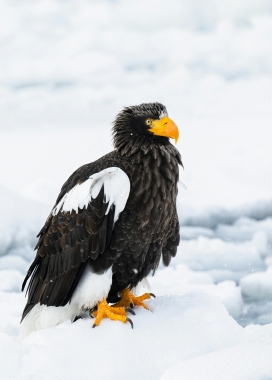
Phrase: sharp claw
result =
(129, 310)
(130, 321)
(94, 325)
(91, 313)
(152, 295)
(131, 305)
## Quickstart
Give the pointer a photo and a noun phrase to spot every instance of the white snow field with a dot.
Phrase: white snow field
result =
(195, 326)
(67, 67)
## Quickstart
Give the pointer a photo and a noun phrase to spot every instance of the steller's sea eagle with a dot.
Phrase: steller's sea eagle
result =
(112, 222)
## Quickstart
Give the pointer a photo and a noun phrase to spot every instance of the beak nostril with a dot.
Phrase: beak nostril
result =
(165, 127)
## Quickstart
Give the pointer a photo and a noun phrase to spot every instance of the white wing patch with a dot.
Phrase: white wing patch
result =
(116, 189)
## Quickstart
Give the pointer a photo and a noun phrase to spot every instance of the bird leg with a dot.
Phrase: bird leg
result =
(104, 310)
(129, 300)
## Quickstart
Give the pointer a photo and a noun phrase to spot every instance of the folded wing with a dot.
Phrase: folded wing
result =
(78, 229)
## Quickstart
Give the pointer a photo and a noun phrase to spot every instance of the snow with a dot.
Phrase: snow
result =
(219, 257)
(18, 232)
(196, 316)
(257, 286)
(10, 280)
(250, 359)
(181, 280)
(65, 72)
(124, 348)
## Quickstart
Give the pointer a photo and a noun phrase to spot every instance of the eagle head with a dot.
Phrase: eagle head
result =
(144, 123)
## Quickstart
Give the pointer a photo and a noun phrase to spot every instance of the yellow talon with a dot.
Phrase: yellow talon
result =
(129, 300)
(104, 310)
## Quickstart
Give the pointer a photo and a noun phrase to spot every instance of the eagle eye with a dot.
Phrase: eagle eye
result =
(148, 122)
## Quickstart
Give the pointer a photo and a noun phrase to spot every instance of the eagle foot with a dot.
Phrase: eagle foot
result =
(129, 299)
(104, 310)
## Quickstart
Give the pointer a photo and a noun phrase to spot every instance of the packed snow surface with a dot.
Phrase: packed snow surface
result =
(250, 359)
(204, 300)
(176, 328)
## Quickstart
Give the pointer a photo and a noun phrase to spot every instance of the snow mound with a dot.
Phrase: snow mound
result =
(257, 286)
(181, 280)
(189, 232)
(250, 360)
(245, 228)
(222, 259)
(177, 328)
(212, 217)
(11, 262)
(20, 221)
(11, 280)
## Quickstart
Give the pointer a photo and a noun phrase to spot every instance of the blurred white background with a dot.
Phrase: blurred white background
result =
(67, 68)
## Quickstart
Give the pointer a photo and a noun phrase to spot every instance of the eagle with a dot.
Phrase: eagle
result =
(113, 221)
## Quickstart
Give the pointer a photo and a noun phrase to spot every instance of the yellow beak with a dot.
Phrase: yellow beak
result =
(165, 127)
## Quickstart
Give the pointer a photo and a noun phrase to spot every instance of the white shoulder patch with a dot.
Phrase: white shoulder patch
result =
(116, 189)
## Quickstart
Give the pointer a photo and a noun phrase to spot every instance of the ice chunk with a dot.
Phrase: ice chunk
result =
(211, 255)
(244, 229)
(11, 280)
(230, 295)
(182, 280)
(187, 232)
(257, 286)
(14, 262)
(211, 217)
(20, 221)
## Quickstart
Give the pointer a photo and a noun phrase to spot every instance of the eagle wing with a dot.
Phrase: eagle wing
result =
(78, 229)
